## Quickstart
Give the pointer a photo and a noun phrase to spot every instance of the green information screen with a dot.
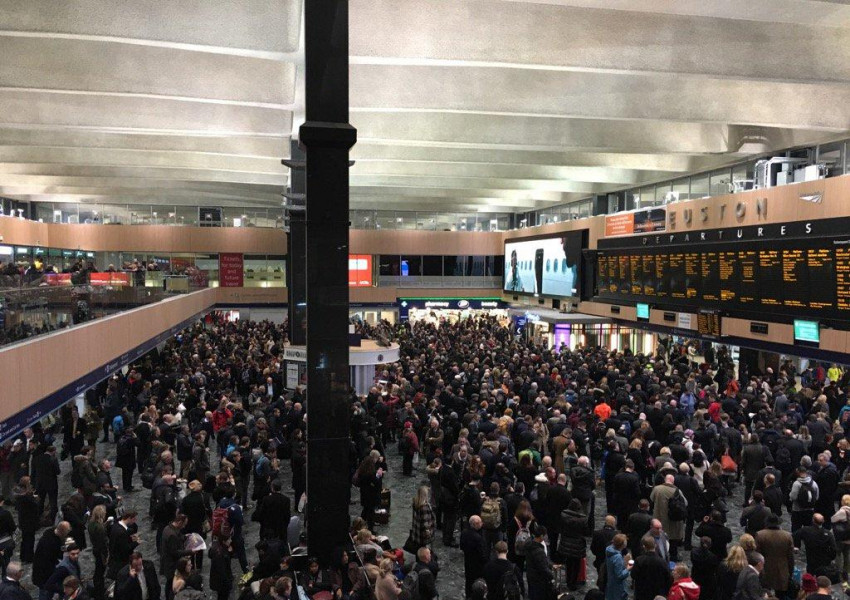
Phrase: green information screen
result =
(807, 331)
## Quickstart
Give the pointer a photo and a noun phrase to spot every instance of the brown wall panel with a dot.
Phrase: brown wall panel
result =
(403, 241)
(778, 333)
(143, 238)
(252, 295)
(76, 352)
(374, 295)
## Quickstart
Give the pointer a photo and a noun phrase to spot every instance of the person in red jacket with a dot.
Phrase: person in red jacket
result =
(683, 587)
(221, 416)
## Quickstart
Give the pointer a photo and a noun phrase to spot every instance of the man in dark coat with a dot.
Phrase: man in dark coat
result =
(122, 542)
(126, 458)
(819, 544)
(538, 567)
(48, 552)
(10, 588)
(449, 491)
(475, 553)
(45, 479)
(132, 576)
(626, 495)
(721, 536)
(584, 482)
(637, 526)
(688, 485)
(752, 461)
(172, 550)
(273, 513)
(754, 517)
(651, 575)
(556, 501)
(602, 539)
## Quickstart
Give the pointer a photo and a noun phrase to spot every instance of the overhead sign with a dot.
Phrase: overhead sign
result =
(683, 321)
(648, 220)
(295, 353)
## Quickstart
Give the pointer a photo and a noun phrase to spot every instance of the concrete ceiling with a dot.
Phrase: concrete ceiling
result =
(487, 105)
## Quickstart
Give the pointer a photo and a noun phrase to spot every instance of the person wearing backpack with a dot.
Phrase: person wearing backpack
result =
(803, 496)
(494, 511)
(664, 497)
(501, 576)
(231, 520)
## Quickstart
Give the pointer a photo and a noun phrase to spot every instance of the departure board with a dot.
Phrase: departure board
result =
(708, 324)
(796, 278)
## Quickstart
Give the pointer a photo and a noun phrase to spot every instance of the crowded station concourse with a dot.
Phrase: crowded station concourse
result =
(481, 466)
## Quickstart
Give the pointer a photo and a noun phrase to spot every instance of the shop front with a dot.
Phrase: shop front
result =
(570, 330)
(450, 310)
(373, 313)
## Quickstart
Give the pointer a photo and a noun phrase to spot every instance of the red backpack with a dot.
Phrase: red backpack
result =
(221, 522)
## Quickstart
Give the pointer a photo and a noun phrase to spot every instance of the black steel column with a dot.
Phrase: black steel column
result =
(296, 268)
(327, 137)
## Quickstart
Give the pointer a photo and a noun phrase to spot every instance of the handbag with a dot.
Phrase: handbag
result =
(728, 464)
(409, 545)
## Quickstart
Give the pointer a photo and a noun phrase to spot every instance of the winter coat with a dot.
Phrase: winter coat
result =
(423, 525)
(660, 495)
(684, 589)
(777, 547)
(572, 542)
(616, 575)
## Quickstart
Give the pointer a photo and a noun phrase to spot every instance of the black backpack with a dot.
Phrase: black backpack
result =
(677, 507)
(806, 496)
(783, 460)
(510, 586)
(410, 584)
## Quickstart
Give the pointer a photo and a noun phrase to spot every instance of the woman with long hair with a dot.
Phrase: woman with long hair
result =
(843, 516)
(523, 519)
(369, 478)
(181, 574)
(728, 572)
(100, 548)
(423, 524)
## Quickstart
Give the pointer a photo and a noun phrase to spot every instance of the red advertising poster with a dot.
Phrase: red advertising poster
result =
(107, 278)
(58, 279)
(230, 269)
(359, 270)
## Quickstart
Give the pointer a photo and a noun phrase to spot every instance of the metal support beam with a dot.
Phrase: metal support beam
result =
(327, 137)
(296, 268)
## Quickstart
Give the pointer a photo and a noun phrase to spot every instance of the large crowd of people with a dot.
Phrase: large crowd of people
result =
(554, 471)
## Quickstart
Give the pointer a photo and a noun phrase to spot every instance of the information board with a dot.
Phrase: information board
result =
(708, 324)
(796, 278)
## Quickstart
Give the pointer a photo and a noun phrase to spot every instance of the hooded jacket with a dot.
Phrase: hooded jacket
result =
(684, 589)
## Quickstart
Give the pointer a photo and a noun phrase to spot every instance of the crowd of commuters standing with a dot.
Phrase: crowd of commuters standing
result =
(549, 469)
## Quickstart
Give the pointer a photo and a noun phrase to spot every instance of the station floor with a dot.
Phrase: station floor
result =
(450, 581)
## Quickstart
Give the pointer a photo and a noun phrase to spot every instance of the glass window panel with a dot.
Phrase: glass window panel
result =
(432, 266)
(832, 155)
(411, 266)
(720, 182)
(699, 186)
(453, 266)
(389, 265)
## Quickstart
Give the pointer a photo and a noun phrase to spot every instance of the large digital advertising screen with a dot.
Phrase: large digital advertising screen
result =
(546, 266)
